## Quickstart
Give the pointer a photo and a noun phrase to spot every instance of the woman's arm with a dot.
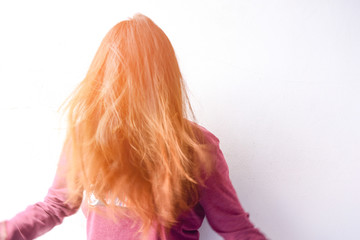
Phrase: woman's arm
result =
(221, 204)
(41, 217)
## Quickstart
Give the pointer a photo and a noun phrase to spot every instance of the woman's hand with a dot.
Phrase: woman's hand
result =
(3, 234)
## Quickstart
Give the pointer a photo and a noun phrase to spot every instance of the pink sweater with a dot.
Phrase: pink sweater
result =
(218, 202)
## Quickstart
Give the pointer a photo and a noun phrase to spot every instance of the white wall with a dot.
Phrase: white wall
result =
(277, 81)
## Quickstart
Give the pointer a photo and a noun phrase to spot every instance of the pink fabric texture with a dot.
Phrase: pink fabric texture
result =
(218, 202)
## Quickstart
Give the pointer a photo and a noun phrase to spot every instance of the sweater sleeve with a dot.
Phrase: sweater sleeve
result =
(220, 202)
(41, 217)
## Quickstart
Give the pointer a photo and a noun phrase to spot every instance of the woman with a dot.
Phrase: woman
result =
(133, 162)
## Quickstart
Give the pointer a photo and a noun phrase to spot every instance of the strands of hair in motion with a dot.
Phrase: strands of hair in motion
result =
(128, 135)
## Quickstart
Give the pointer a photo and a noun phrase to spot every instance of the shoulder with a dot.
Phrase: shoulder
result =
(204, 135)
(210, 155)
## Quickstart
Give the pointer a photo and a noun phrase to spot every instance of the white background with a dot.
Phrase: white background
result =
(277, 81)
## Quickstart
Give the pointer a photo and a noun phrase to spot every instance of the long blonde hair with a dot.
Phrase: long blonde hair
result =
(128, 133)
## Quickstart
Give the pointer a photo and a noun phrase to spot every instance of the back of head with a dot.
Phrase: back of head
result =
(128, 131)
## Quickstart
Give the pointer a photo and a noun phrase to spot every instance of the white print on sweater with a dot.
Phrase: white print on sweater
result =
(93, 201)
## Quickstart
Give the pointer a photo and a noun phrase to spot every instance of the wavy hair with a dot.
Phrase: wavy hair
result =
(128, 133)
